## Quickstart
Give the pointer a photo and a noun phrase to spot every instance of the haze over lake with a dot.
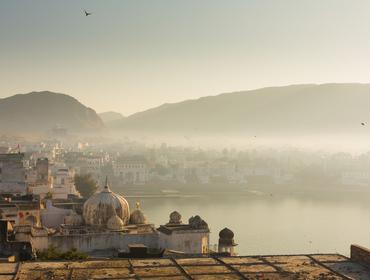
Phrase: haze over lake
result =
(279, 222)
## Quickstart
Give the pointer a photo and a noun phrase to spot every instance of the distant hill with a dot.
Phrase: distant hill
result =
(41, 111)
(297, 109)
(110, 116)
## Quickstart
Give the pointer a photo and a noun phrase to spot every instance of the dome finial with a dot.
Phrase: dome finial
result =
(137, 205)
(106, 187)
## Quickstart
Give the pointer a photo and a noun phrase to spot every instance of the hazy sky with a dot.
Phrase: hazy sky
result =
(131, 55)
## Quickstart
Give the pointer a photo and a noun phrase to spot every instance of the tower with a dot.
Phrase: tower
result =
(226, 242)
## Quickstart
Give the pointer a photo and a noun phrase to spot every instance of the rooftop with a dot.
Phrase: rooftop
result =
(169, 229)
(319, 266)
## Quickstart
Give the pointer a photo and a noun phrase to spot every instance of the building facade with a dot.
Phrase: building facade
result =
(12, 174)
(131, 171)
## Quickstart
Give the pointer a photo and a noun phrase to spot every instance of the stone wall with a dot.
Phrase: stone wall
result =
(96, 241)
(360, 254)
(190, 242)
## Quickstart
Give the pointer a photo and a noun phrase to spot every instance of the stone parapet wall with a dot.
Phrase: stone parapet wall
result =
(96, 241)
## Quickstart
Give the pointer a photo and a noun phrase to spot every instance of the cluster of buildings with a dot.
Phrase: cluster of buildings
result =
(20, 176)
(271, 167)
(134, 164)
(103, 224)
(41, 208)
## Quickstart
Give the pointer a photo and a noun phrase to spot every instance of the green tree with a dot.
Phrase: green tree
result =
(49, 195)
(85, 184)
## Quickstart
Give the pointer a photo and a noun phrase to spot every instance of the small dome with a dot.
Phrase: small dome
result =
(137, 217)
(175, 218)
(226, 234)
(198, 223)
(226, 238)
(73, 219)
(99, 208)
(115, 223)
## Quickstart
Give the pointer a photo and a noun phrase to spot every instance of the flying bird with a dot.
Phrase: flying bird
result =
(87, 13)
(362, 123)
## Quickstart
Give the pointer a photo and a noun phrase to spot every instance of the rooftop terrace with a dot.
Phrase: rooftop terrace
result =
(321, 266)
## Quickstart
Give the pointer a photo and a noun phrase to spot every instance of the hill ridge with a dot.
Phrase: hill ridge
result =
(317, 108)
(40, 111)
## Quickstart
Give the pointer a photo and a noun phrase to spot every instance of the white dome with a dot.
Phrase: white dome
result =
(137, 217)
(99, 208)
(115, 223)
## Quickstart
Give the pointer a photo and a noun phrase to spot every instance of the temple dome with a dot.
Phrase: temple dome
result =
(99, 208)
(226, 234)
(115, 223)
(175, 218)
(137, 217)
(226, 238)
(198, 223)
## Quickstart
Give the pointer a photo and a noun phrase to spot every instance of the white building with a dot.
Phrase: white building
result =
(356, 178)
(108, 224)
(60, 185)
(63, 184)
(131, 171)
(192, 238)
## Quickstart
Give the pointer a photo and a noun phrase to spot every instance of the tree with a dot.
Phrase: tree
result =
(85, 184)
(49, 195)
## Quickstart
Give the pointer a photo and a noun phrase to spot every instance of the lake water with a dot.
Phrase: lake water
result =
(274, 223)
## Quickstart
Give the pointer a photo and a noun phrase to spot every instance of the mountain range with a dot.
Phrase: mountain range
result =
(274, 111)
(278, 111)
(42, 111)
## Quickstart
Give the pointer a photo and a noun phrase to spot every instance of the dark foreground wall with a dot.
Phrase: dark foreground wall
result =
(360, 254)
(21, 250)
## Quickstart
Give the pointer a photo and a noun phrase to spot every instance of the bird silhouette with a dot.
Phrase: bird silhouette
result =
(362, 123)
(87, 13)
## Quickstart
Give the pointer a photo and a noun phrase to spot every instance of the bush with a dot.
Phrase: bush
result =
(52, 253)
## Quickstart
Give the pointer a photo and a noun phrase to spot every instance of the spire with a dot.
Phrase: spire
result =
(106, 187)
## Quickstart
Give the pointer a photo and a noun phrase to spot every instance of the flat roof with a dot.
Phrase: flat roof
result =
(318, 266)
(169, 229)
